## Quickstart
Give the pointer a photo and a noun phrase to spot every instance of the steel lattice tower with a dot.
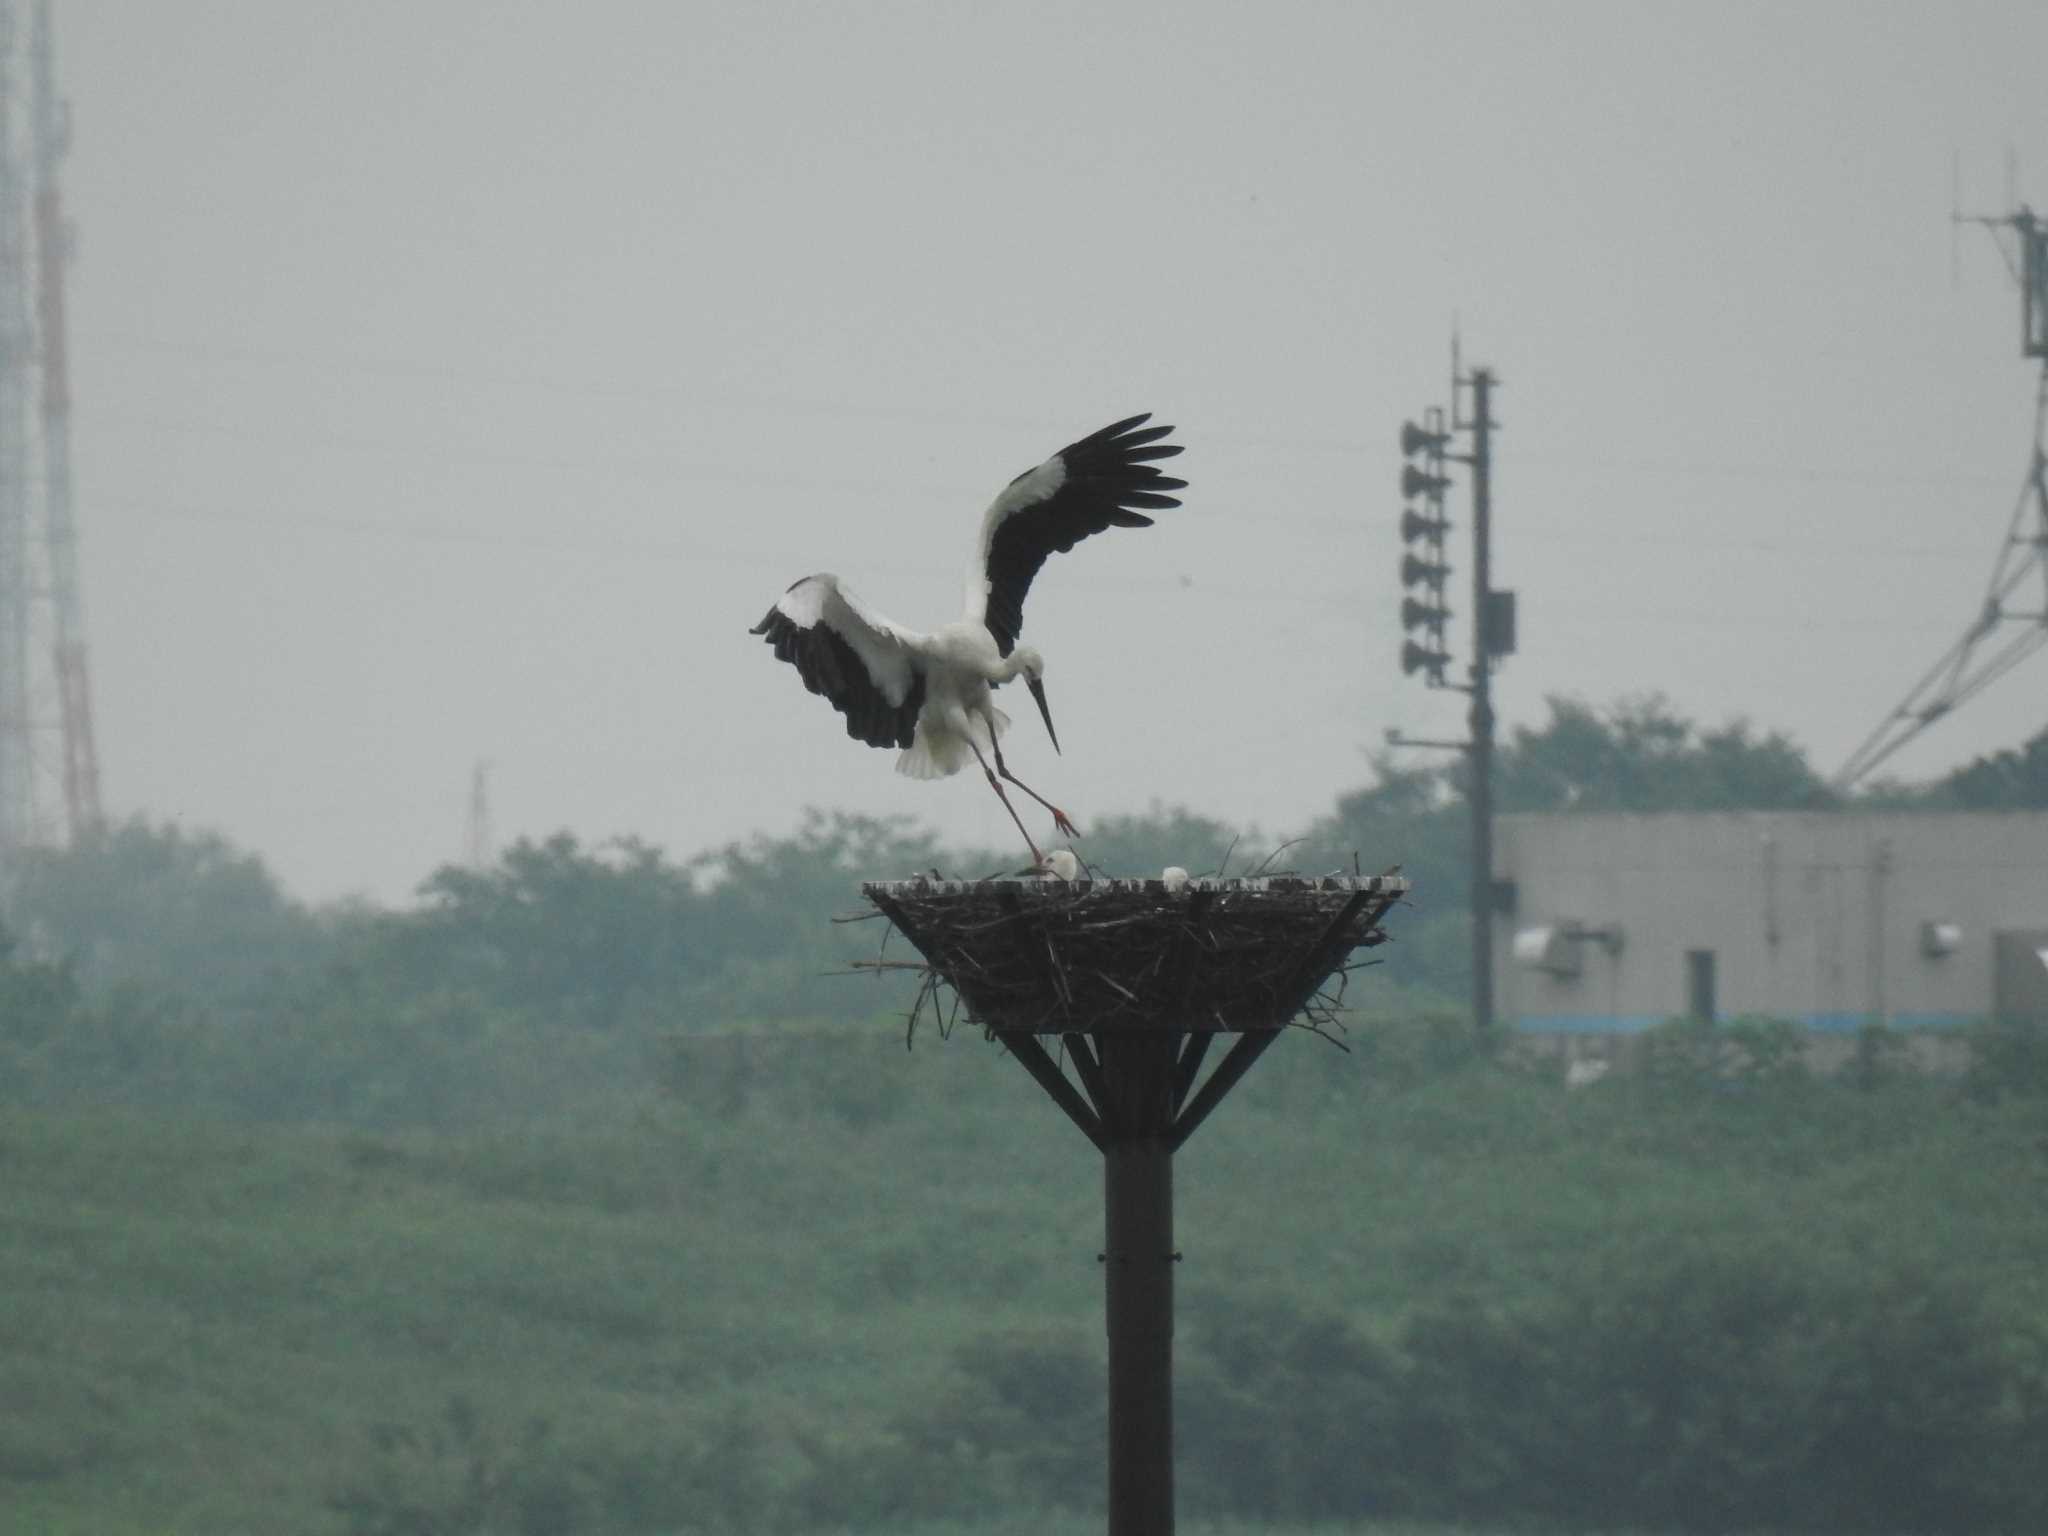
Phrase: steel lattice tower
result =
(2013, 623)
(49, 769)
(18, 722)
(52, 139)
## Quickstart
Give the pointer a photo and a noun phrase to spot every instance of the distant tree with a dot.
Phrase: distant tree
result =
(578, 935)
(1384, 818)
(39, 1000)
(771, 949)
(58, 1047)
(2013, 780)
(1139, 846)
(828, 854)
(1639, 755)
(1409, 815)
(178, 912)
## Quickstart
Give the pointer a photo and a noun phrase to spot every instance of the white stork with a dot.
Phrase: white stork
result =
(929, 693)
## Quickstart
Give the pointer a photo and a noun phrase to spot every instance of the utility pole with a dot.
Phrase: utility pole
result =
(1480, 791)
(1426, 479)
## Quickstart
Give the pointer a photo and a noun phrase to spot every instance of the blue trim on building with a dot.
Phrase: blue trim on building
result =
(1819, 1023)
(1931, 1021)
(1588, 1023)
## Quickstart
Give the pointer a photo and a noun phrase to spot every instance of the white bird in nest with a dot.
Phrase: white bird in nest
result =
(1060, 864)
(929, 694)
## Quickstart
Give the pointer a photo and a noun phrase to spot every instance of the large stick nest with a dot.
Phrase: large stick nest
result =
(1087, 956)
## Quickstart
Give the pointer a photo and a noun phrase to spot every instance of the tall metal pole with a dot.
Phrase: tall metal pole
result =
(479, 846)
(17, 369)
(1137, 1079)
(1137, 1190)
(50, 134)
(1493, 626)
(1480, 793)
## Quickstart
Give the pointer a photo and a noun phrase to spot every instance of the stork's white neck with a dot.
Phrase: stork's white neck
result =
(1020, 661)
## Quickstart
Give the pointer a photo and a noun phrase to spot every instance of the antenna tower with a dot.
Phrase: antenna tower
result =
(49, 768)
(479, 843)
(2013, 623)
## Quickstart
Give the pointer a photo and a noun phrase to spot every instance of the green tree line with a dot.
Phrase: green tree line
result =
(159, 966)
(622, 1109)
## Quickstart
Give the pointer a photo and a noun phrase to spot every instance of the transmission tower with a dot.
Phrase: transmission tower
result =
(2013, 622)
(18, 718)
(52, 139)
(479, 842)
(49, 769)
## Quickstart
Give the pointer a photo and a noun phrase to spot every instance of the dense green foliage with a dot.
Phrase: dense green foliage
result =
(2011, 779)
(590, 1194)
(39, 1003)
(813, 1283)
(1640, 756)
(531, 988)
(176, 910)
(2015, 779)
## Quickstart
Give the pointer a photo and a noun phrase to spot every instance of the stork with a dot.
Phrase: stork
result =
(929, 694)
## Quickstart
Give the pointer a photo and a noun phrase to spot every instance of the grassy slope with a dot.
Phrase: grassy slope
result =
(202, 1323)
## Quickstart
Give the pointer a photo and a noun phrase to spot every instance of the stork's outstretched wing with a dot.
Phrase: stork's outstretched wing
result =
(868, 667)
(1084, 488)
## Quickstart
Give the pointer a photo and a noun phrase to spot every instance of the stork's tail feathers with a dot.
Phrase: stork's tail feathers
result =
(925, 758)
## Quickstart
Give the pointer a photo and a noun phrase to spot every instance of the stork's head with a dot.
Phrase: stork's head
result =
(1032, 666)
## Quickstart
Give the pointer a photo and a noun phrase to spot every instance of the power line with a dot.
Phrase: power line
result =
(924, 415)
(692, 552)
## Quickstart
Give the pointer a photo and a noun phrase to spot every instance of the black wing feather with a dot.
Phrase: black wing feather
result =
(1108, 474)
(831, 668)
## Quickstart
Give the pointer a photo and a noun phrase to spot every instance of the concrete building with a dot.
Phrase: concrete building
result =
(1920, 920)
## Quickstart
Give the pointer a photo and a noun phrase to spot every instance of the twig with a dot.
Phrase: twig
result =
(1222, 870)
(1269, 858)
(1313, 1028)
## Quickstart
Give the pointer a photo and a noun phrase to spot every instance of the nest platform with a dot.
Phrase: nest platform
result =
(1138, 979)
(1111, 957)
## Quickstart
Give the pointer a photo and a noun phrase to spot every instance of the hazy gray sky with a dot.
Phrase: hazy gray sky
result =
(460, 380)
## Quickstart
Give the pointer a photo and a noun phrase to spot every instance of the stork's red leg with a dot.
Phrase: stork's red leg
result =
(1059, 817)
(1037, 858)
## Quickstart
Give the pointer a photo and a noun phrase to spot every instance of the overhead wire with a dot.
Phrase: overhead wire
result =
(666, 468)
(697, 552)
(681, 548)
(726, 399)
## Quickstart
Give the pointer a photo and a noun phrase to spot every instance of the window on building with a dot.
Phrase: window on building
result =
(1699, 984)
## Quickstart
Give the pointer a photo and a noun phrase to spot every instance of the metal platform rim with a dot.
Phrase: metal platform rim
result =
(1250, 885)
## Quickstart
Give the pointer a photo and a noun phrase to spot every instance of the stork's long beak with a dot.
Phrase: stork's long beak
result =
(1037, 687)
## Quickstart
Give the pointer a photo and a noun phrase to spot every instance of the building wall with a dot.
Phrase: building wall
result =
(1812, 916)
